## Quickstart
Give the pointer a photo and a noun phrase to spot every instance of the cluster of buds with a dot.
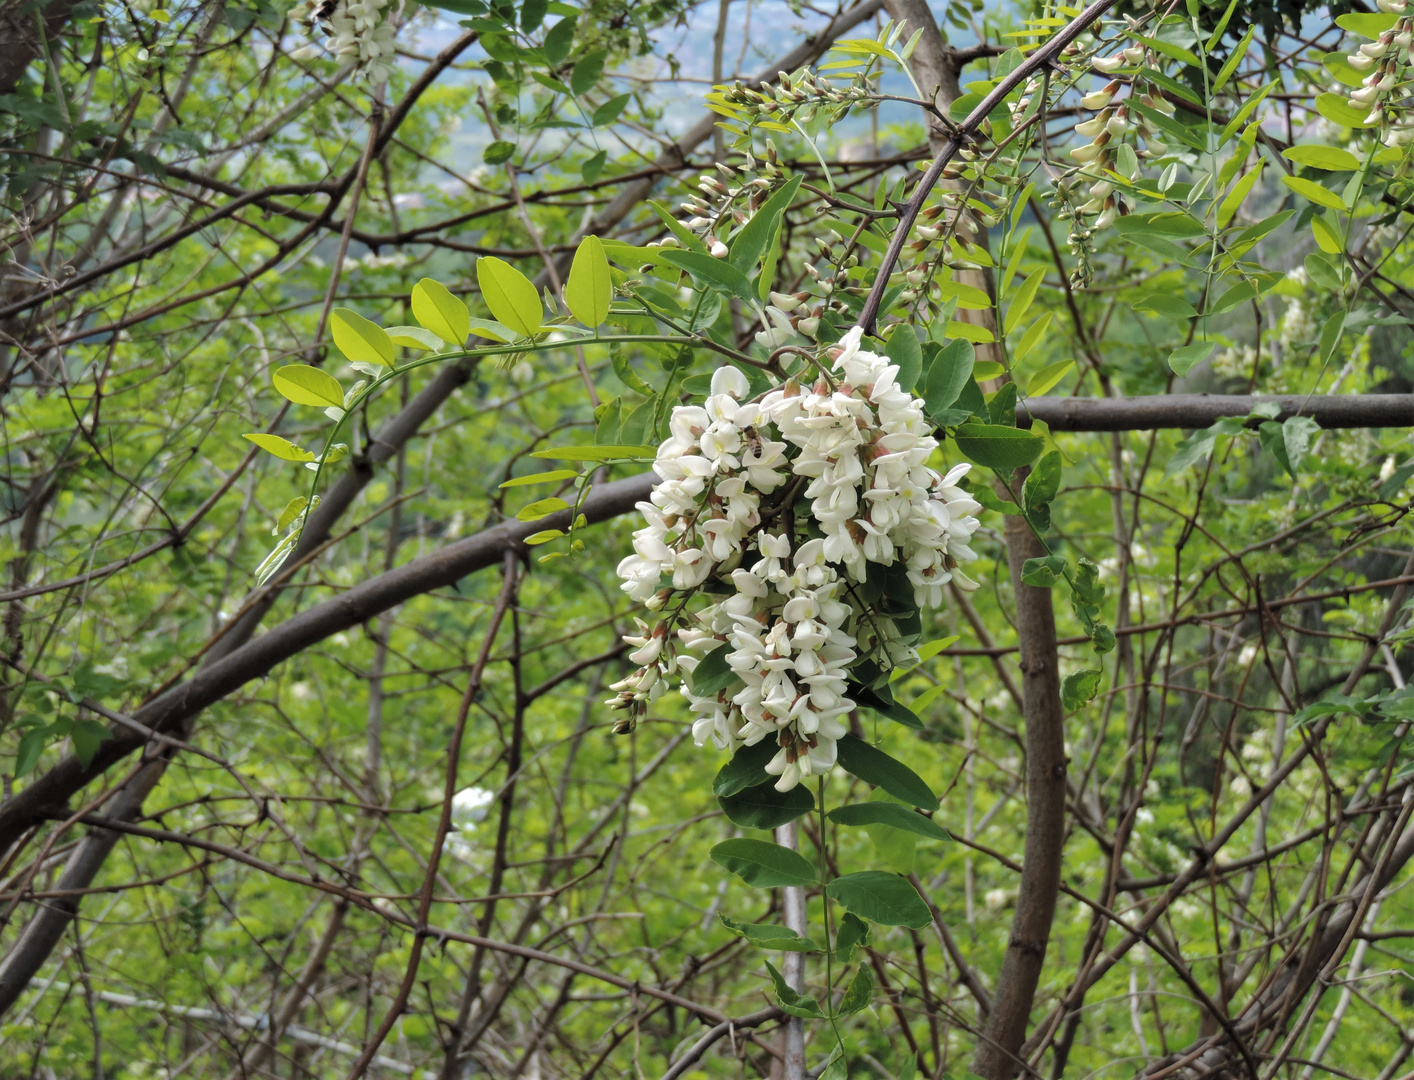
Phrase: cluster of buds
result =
(1383, 63)
(1114, 137)
(799, 98)
(359, 30)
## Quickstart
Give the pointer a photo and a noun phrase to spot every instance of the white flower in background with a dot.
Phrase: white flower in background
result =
(784, 502)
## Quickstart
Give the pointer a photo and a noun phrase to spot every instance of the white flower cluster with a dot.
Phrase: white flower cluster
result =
(1386, 59)
(361, 30)
(777, 508)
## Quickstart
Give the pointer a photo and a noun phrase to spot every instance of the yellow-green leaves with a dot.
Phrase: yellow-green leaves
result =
(510, 296)
(589, 288)
(1233, 199)
(281, 448)
(361, 341)
(290, 514)
(1046, 379)
(1327, 238)
(541, 478)
(434, 306)
(1024, 295)
(414, 337)
(1328, 158)
(305, 385)
(1314, 192)
(1033, 334)
(542, 508)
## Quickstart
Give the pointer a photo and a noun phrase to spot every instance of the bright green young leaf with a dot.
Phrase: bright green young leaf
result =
(1233, 200)
(1046, 380)
(1234, 58)
(434, 306)
(973, 332)
(281, 448)
(1337, 109)
(543, 537)
(414, 337)
(1329, 158)
(509, 294)
(359, 339)
(1314, 192)
(1033, 334)
(541, 508)
(589, 288)
(541, 478)
(968, 297)
(305, 385)
(763, 864)
(1019, 305)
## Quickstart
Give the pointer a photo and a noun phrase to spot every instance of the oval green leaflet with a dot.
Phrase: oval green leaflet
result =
(281, 448)
(541, 508)
(510, 295)
(361, 341)
(434, 306)
(880, 897)
(305, 385)
(589, 288)
(1314, 192)
(1328, 158)
(763, 864)
(540, 478)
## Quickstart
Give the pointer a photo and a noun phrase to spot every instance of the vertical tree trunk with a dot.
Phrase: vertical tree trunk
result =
(935, 67)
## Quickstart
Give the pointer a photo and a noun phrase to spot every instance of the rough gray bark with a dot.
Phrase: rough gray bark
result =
(1202, 410)
(935, 68)
(20, 43)
(996, 1056)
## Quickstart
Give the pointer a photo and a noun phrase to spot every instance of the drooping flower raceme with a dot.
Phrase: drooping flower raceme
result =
(809, 519)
